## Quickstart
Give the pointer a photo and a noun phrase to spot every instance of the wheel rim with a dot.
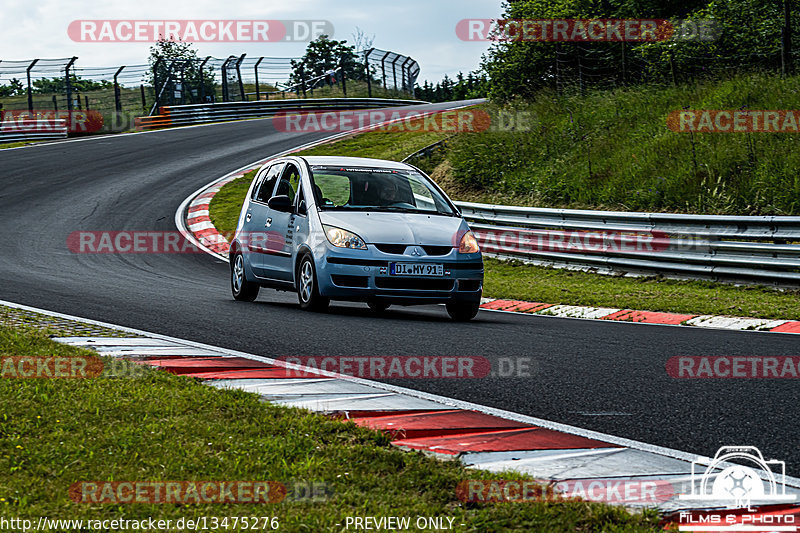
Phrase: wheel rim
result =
(238, 274)
(306, 281)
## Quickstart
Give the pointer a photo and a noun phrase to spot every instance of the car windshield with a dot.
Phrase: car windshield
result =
(376, 189)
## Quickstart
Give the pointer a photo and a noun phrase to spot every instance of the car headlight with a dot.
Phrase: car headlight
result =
(341, 238)
(469, 244)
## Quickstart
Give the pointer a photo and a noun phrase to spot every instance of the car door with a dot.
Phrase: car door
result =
(260, 241)
(279, 262)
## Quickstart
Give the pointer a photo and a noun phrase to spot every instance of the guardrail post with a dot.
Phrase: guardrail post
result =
(55, 103)
(255, 69)
(239, 75)
(117, 96)
(30, 90)
(367, 72)
(344, 77)
(69, 83)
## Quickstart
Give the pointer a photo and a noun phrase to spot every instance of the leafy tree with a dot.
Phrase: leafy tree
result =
(323, 55)
(58, 85)
(185, 66)
(14, 88)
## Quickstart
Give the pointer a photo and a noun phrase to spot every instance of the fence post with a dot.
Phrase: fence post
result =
(624, 73)
(255, 69)
(394, 71)
(239, 75)
(303, 81)
(557, 51)
(30, 90)
(144, 102)
(225, 79)
(69, 83)
(55, 103)
(580, 71)
(344, 76)
(383, 69)
(786, 40)
(367, 72)
(672, 68)
(156, 90)
(117, 96)
(404, 78)
(203, 80)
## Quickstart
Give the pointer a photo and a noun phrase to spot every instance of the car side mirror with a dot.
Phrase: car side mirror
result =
(281, 203)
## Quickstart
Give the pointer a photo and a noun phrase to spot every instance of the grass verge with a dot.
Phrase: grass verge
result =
(158, 426)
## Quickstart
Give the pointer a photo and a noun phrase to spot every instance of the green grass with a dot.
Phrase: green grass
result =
(159, 427)
(612, 150)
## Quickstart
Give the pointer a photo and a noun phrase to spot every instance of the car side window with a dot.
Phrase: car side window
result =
(264, 192)
(289, 182)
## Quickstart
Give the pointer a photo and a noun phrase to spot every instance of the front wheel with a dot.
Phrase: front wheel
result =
(463, 311)
(307, 289)
(243, 290)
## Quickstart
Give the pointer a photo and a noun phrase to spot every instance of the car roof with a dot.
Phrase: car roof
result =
(354, 162)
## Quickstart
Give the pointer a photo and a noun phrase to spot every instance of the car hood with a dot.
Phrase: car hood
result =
(398, 228)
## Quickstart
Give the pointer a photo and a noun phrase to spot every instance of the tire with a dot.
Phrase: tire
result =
(378, 306)
(243, 290)
(307, 287)
(463, 311)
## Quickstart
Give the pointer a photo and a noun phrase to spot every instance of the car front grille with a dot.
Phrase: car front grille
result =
(391, 248)
(437, 250)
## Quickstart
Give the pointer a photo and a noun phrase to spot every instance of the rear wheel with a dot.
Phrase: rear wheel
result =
(243, 290)
(307, 289)
(378, 306)
(463, 311)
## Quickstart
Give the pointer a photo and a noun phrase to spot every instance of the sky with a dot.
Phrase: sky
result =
(422, 29)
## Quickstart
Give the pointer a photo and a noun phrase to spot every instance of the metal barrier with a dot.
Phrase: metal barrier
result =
(202, 113)
(763, 248)
(32, 130)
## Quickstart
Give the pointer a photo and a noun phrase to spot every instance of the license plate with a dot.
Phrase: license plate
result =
(416, 269)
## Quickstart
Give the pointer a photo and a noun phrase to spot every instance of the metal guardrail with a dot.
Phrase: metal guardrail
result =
(763, 248)
(202, 113)
(32, 130)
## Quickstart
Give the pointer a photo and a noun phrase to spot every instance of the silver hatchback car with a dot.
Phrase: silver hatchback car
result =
(348, 228)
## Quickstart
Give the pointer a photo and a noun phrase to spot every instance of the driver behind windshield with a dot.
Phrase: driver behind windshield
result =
(388, 193)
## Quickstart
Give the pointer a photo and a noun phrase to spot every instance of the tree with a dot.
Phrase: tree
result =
(58, 85)
(14, 88)
(175, 61)
(324, 55)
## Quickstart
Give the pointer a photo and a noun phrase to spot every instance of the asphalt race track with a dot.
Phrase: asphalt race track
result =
(603, 376)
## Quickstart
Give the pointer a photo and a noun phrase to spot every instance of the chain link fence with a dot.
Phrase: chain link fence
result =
(63, 87)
